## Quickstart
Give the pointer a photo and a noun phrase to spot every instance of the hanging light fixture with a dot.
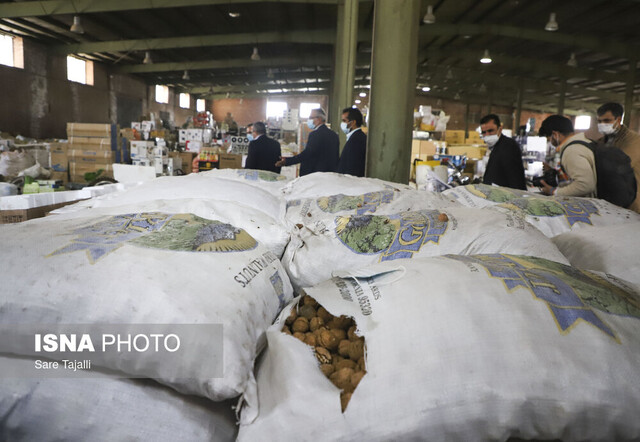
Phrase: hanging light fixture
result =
(426, 89)
(185, 76)
(255, 56)
(573, 62)
(482, 89)
(449, 75)
(457, 96)
(147, 58)
(358, 101)
(269, 73)
(486, 58)
(76, 27)
(429, 18)
(552, 24)
(363, 94)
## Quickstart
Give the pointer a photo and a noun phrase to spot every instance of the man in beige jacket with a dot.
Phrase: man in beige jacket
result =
(615, 134)
(577, 176)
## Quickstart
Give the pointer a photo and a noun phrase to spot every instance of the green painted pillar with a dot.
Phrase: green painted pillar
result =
(345, 64)
(628, 95)
(393, 89)
(563, 93)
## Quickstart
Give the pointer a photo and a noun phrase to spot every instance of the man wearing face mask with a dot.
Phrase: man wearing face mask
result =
(616, 134)
(505, 161)
(322, 150)
(263, 151)
(354, 153)
(577, 174)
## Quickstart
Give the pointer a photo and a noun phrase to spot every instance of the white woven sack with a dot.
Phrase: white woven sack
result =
(260, 226)
(328, 183)
(308, 210)
(195, 185)
(463, 348)
(556, 215)
(483, 195)
(264, 179)
(613, 249)
(352, 242)
(147, 268)
(104, 410)
(12, 163)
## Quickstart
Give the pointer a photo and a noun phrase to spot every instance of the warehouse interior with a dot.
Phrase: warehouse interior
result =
(399, 304)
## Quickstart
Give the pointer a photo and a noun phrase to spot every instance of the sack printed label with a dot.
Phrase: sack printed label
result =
(367, 203)
(494, 193)
(182, 232)
(574, 210)
(393, 236)
(260, 175)
(278, 287)
(571, 295)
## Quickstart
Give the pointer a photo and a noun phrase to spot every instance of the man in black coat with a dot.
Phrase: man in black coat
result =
(322, 150)
(354, 153)
(505, 161)
(264, 152)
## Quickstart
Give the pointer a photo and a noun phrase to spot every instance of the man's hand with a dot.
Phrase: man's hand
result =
(282, 162)
(545, 188)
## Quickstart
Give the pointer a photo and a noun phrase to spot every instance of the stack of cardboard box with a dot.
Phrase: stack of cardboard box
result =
(92, 147)
(59, 162)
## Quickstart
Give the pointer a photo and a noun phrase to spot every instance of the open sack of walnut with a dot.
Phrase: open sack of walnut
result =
(456, 347)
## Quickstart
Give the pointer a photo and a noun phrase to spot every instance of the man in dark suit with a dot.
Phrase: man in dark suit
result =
(322, 150)
(354, 153)
(505, 161)
(263, 151)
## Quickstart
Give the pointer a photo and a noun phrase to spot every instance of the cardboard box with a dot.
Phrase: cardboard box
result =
(91, 155)
(468, 150)
(59, 161)
(19, 215)
(60, 176)
(424, 147)
(78, 169)
(187, 161)
(454, 136)
(91, 130)
(230, 161)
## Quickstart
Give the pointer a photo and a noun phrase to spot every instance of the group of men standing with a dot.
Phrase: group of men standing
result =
(577, 173)
(322, 151)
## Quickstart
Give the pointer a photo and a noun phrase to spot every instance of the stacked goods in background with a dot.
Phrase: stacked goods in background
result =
(93, 147)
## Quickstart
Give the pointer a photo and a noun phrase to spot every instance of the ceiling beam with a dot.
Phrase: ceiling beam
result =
(320, 36)
(540, 67)
(235, 88)
(586, 41)
(320, 60)
(58, 7)
(321, 93)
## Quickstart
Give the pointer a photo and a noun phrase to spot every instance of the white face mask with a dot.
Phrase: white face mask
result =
(606, 128)
(344, 127)
(491, 140)
(310, 124)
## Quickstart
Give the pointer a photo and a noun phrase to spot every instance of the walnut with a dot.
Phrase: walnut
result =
(308, 300)
(307, 311)
(301, 324)
(356, 378)
(292, 317)
(346, 363)
(327, 369)
(286, 330)
(342, 322)
(299, 335)
(344, 400)
(343, 348)
(342, 378)
(443, 218)
(323, 355)
(310, 339)
(339, 334)
(351, 333)
(328, 340)
(324, 314)
(362, 364)
(356, 350)
(315, 323)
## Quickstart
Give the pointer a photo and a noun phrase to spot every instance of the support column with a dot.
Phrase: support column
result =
(628, 93)
(393, 89)
(345, 64)
(516, 122)
(466, 121)
(563, 93)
